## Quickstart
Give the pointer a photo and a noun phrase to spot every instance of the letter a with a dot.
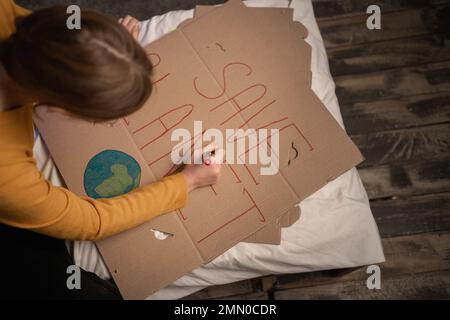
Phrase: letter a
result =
(373, 21)
(74, 20)
(74, 280)
(374, 280)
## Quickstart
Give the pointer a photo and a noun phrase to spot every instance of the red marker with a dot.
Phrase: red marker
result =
(207, 157)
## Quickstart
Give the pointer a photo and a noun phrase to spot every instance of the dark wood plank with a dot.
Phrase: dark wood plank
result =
(395, 25)
(389, 54)
(413, 215)
(250, 296)
(343, 8)
(400, 146)
(138, 8)
(404, 112)
(240, 288)
(322, 8)
(403, 180)
(405, 255)
(393, 83)
(435, 285)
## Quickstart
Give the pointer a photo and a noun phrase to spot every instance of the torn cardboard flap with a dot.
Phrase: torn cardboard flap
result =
(231, 67)
(290, 218)
(271, 234)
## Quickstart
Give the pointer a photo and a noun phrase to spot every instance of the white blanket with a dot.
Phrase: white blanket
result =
(336, 229)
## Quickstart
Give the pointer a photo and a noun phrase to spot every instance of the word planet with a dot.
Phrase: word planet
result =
(111, 173)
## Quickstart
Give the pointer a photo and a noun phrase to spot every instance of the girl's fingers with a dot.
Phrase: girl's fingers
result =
(218, 157)
(135, 31)
(126, 21)
(211, 154)
(210, 147)
(131, 24)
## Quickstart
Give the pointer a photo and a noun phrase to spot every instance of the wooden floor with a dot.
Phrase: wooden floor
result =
(393, 86)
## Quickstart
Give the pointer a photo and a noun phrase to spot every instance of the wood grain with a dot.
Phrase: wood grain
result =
(395, 83)
(389, 54)
(404, 180)
(141, 9)
(240, 288)
(331, 9)
(434, 285)
(394, 25)
(422, 253)
(250, 296)
(403, 112)
(401, 146)
(419, 214)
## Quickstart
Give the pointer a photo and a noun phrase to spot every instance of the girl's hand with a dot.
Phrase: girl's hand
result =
(205, 174)
(132, 25)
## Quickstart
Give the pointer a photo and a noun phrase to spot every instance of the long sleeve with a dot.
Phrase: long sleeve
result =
(8, 12)
(28, 201)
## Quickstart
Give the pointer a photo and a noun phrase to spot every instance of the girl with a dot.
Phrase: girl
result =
(99, 73)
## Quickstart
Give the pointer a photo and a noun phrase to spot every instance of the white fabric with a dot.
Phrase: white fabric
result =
(336, 229)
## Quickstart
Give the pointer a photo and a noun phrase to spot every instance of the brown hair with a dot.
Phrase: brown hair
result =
(98, 72)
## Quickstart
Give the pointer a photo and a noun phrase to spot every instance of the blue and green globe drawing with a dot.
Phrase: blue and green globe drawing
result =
(111, 173)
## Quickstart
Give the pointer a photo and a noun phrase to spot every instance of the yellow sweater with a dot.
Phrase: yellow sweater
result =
(28, 201)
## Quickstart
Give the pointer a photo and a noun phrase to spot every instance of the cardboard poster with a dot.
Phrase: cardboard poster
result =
(231, 67)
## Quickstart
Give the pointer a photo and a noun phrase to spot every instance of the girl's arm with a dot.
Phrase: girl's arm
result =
(28, 201)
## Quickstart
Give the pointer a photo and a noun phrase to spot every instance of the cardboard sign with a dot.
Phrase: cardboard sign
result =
(230, 67)
(270, 234)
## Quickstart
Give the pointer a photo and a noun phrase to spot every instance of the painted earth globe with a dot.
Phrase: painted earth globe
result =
(111, 173)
